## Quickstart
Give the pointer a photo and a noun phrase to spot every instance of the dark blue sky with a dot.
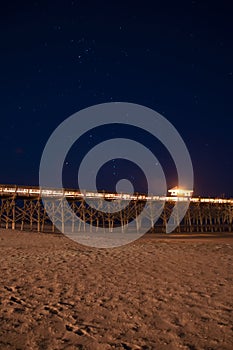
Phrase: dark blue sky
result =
(58, 57)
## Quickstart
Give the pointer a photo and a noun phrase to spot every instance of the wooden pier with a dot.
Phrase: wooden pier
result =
(25, 208)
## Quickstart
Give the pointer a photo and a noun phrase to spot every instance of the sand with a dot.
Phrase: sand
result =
(155, 293)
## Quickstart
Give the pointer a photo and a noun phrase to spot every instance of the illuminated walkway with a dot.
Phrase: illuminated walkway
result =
(27, 191)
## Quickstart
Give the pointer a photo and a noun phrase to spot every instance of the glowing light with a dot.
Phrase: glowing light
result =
(180, 192)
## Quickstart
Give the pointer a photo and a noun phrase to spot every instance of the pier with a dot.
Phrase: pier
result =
(22, 208)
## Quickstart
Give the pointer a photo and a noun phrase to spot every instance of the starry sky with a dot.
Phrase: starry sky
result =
(176, 57)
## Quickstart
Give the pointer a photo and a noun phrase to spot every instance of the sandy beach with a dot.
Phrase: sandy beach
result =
(155, 293)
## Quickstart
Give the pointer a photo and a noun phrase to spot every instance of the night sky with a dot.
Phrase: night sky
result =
(175, 57)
